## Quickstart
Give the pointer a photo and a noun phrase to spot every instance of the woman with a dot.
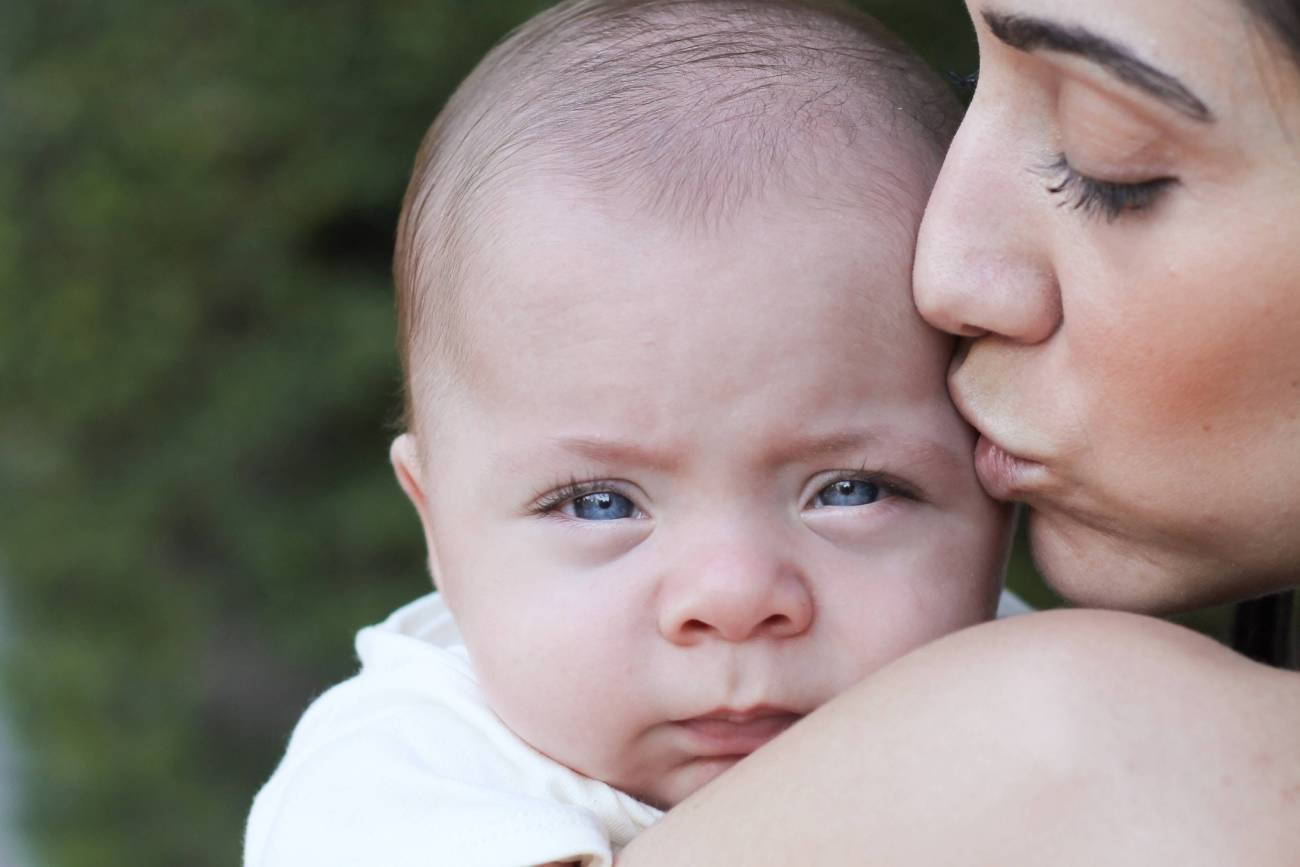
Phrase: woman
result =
(1117, 233)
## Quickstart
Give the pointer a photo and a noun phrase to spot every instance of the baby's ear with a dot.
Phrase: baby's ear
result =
(407, 466)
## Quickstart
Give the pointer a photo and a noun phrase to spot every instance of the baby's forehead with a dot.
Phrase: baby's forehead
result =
(566, 278)
(731, 348)
(549, 220)
(689, 111)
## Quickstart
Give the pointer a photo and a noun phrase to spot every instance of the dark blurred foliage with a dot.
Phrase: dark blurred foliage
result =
(197, 382)
(197, 375)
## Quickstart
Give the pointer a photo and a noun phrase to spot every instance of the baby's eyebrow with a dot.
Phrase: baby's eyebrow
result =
(911, 447)
(620, 452)
(905, 446)
(833, 443)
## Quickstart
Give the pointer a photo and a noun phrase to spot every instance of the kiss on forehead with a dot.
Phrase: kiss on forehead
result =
(680, 444)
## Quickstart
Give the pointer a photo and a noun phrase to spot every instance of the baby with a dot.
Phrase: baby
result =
(679, 444)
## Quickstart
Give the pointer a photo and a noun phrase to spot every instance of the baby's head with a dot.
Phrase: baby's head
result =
(681, 446)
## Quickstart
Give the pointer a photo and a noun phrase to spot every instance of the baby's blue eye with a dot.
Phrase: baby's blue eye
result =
(602, 506)
(848, 492)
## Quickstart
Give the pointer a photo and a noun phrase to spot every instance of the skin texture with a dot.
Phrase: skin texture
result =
(1149, 364)
(717, 383)
(1146, 361)
(1062, 738)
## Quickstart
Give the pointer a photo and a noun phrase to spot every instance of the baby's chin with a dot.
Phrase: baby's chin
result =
(679, 784)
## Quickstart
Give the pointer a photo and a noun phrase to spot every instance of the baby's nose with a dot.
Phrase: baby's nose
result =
(735, 594)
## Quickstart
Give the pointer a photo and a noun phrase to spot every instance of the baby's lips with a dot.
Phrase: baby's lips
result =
(727, 732)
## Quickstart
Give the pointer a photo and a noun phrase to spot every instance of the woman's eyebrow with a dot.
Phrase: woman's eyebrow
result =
(1029, 34)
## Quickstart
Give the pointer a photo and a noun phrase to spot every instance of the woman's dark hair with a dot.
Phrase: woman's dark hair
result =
(1283, 16)
(1262, 627)
(1261, 630)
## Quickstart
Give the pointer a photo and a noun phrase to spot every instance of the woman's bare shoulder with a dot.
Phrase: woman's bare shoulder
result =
(1153, 723)
(1099, 653)
(1098, 682)
(1068, 737)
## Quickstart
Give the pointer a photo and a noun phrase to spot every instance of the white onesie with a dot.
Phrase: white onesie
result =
(405, 764)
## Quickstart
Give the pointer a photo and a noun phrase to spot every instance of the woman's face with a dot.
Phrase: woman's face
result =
(1117, 231)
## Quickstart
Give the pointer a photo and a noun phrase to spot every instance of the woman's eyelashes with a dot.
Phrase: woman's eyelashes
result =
(1108, 199)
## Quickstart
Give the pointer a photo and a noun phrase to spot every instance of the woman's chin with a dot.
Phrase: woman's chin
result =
(1096, 568)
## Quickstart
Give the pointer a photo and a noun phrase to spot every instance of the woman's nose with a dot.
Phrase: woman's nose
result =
(981, 264)
(733, 593)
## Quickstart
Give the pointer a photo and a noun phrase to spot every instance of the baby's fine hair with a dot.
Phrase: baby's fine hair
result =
(686, 109)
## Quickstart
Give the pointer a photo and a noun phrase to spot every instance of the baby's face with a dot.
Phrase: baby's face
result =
(698, 486)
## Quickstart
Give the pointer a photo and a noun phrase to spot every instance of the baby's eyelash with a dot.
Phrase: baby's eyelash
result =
(894, 485)
(1105, 198)
(549, 501)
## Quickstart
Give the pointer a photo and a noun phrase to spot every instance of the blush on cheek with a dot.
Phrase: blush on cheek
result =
(1188, 370)
(1192, 327)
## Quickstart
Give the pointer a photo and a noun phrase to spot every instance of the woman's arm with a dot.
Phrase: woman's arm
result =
(1070, 737)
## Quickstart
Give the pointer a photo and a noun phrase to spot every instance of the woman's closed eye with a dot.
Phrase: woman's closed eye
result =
(1110, 199)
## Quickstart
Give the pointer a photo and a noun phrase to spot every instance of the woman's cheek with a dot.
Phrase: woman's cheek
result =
(1182, 351)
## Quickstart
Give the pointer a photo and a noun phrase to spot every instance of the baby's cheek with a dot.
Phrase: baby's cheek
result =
(549, 682)
(913, 599)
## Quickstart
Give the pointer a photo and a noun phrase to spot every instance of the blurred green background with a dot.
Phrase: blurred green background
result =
(197, 384)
